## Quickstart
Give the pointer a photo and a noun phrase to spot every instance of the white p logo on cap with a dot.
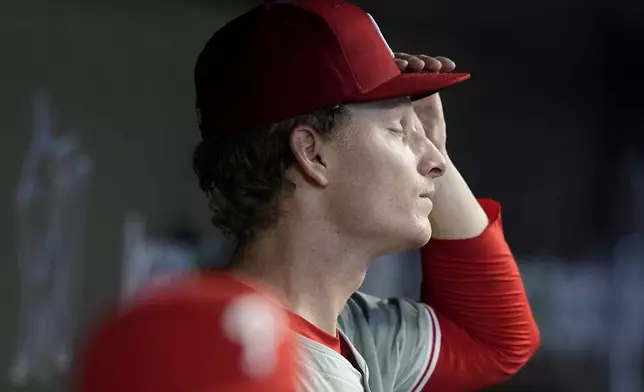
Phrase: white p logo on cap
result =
(380, 34)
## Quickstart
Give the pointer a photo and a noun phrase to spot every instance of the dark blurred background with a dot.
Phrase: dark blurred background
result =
(550, 125)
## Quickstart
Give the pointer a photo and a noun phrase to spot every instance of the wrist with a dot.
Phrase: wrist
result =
(457, 214)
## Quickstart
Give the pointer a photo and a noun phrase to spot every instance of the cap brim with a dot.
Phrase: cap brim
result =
(413, 85)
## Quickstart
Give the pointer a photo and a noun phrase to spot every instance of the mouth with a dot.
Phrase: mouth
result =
(427, 200)
(428, 194)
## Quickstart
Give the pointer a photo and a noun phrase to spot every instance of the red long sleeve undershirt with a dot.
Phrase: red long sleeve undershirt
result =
(487, 328)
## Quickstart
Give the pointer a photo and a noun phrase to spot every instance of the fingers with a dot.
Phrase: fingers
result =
(447, 65)
(431, 64)
(423, 63)
(409, 63)
(415, 64)
(402, 64)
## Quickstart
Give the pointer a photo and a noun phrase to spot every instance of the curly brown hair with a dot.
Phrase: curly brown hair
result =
(243, 174)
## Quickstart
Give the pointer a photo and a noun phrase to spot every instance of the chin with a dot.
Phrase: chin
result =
(417, 237)
(424, 232)
(400, 235)
(423, 238)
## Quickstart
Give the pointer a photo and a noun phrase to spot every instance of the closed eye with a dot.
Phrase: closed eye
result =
(397, 131)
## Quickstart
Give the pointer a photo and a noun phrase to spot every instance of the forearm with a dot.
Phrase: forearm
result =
(474, 285)
(456, 214)
(471, 279)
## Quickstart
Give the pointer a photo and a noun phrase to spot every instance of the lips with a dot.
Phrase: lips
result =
(428, 194)
(426, 199)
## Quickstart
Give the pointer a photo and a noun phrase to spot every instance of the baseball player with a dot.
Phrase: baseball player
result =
(322, 150)
(213, 333)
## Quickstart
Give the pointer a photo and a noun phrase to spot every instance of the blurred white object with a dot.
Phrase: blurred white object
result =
(50, 204)
(148, 263)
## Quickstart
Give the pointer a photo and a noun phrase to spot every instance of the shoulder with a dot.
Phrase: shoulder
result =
(374, 310)
(367, 317)
(397, 337)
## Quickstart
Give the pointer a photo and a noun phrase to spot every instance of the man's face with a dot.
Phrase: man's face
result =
(381, 172)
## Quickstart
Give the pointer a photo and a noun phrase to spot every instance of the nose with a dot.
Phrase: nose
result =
(431, 162)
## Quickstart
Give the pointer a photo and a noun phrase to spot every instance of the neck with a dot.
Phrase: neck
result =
(317, 270)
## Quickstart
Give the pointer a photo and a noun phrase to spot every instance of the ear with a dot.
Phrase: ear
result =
(307, 145)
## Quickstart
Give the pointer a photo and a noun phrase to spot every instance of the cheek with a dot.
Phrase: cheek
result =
(374, 195)
(381, 176)
(372, 169)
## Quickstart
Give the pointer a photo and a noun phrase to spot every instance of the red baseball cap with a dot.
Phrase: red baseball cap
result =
(211, 334)
(286, 59)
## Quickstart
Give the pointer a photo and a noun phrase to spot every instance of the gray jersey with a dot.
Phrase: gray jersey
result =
(396, 343)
